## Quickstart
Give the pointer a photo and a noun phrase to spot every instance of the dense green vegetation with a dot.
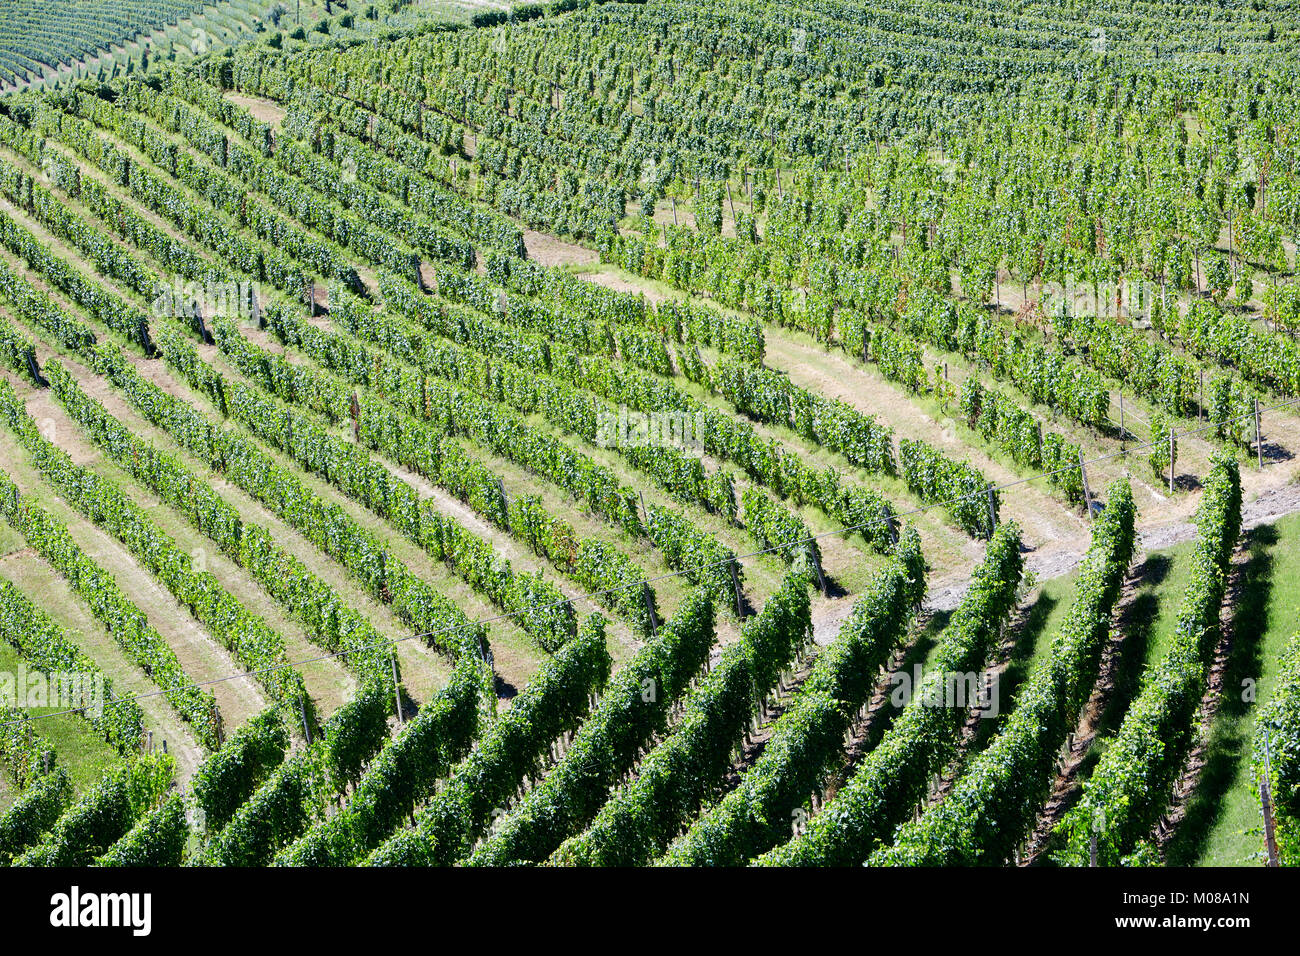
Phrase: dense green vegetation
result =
(350, 365)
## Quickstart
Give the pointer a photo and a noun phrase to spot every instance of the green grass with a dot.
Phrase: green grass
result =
(1223, 825)
(1049, 607)
(1040, 621)
(78, 748)
(10, 540)
(1146, 622)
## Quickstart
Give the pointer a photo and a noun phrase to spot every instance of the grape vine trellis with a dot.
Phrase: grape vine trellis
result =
(905, 206)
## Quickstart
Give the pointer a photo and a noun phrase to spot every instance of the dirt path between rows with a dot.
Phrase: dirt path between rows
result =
(616, 282)
(1051, 562)
(1076, 747)
(262, 110)
(549, 251)
(1187, 787)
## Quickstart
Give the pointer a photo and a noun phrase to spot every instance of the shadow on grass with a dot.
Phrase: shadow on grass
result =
(926, 640)
(916, 654)
(833, 587)
(1273, 452)
(1135, 623)
(504, 689)
(1229, 742)
(1031, 631)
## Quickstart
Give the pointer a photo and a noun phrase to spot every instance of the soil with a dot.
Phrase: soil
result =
(264, 111)
(1065, 787)
(547, 250)
(1185, 787)
(1052, 562)
(616, 282)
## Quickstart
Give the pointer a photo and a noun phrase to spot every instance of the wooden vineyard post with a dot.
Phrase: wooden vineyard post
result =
(199, 326)
(355, 409)
(1087, 492)
(1123, 433)
(893, 531)
(306, 729)
(1172, 470)
(730, 204)
(735, 583)
(1270, 833)
(645, 512)
(1200, 397)
(673, 199)
(993, 511)
(817, 567)
(397, 688)
(1259, 438)
(1266, 804)
(650, 609)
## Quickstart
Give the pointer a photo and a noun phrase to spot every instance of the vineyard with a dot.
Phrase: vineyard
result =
(662, 433)
(47, 45)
